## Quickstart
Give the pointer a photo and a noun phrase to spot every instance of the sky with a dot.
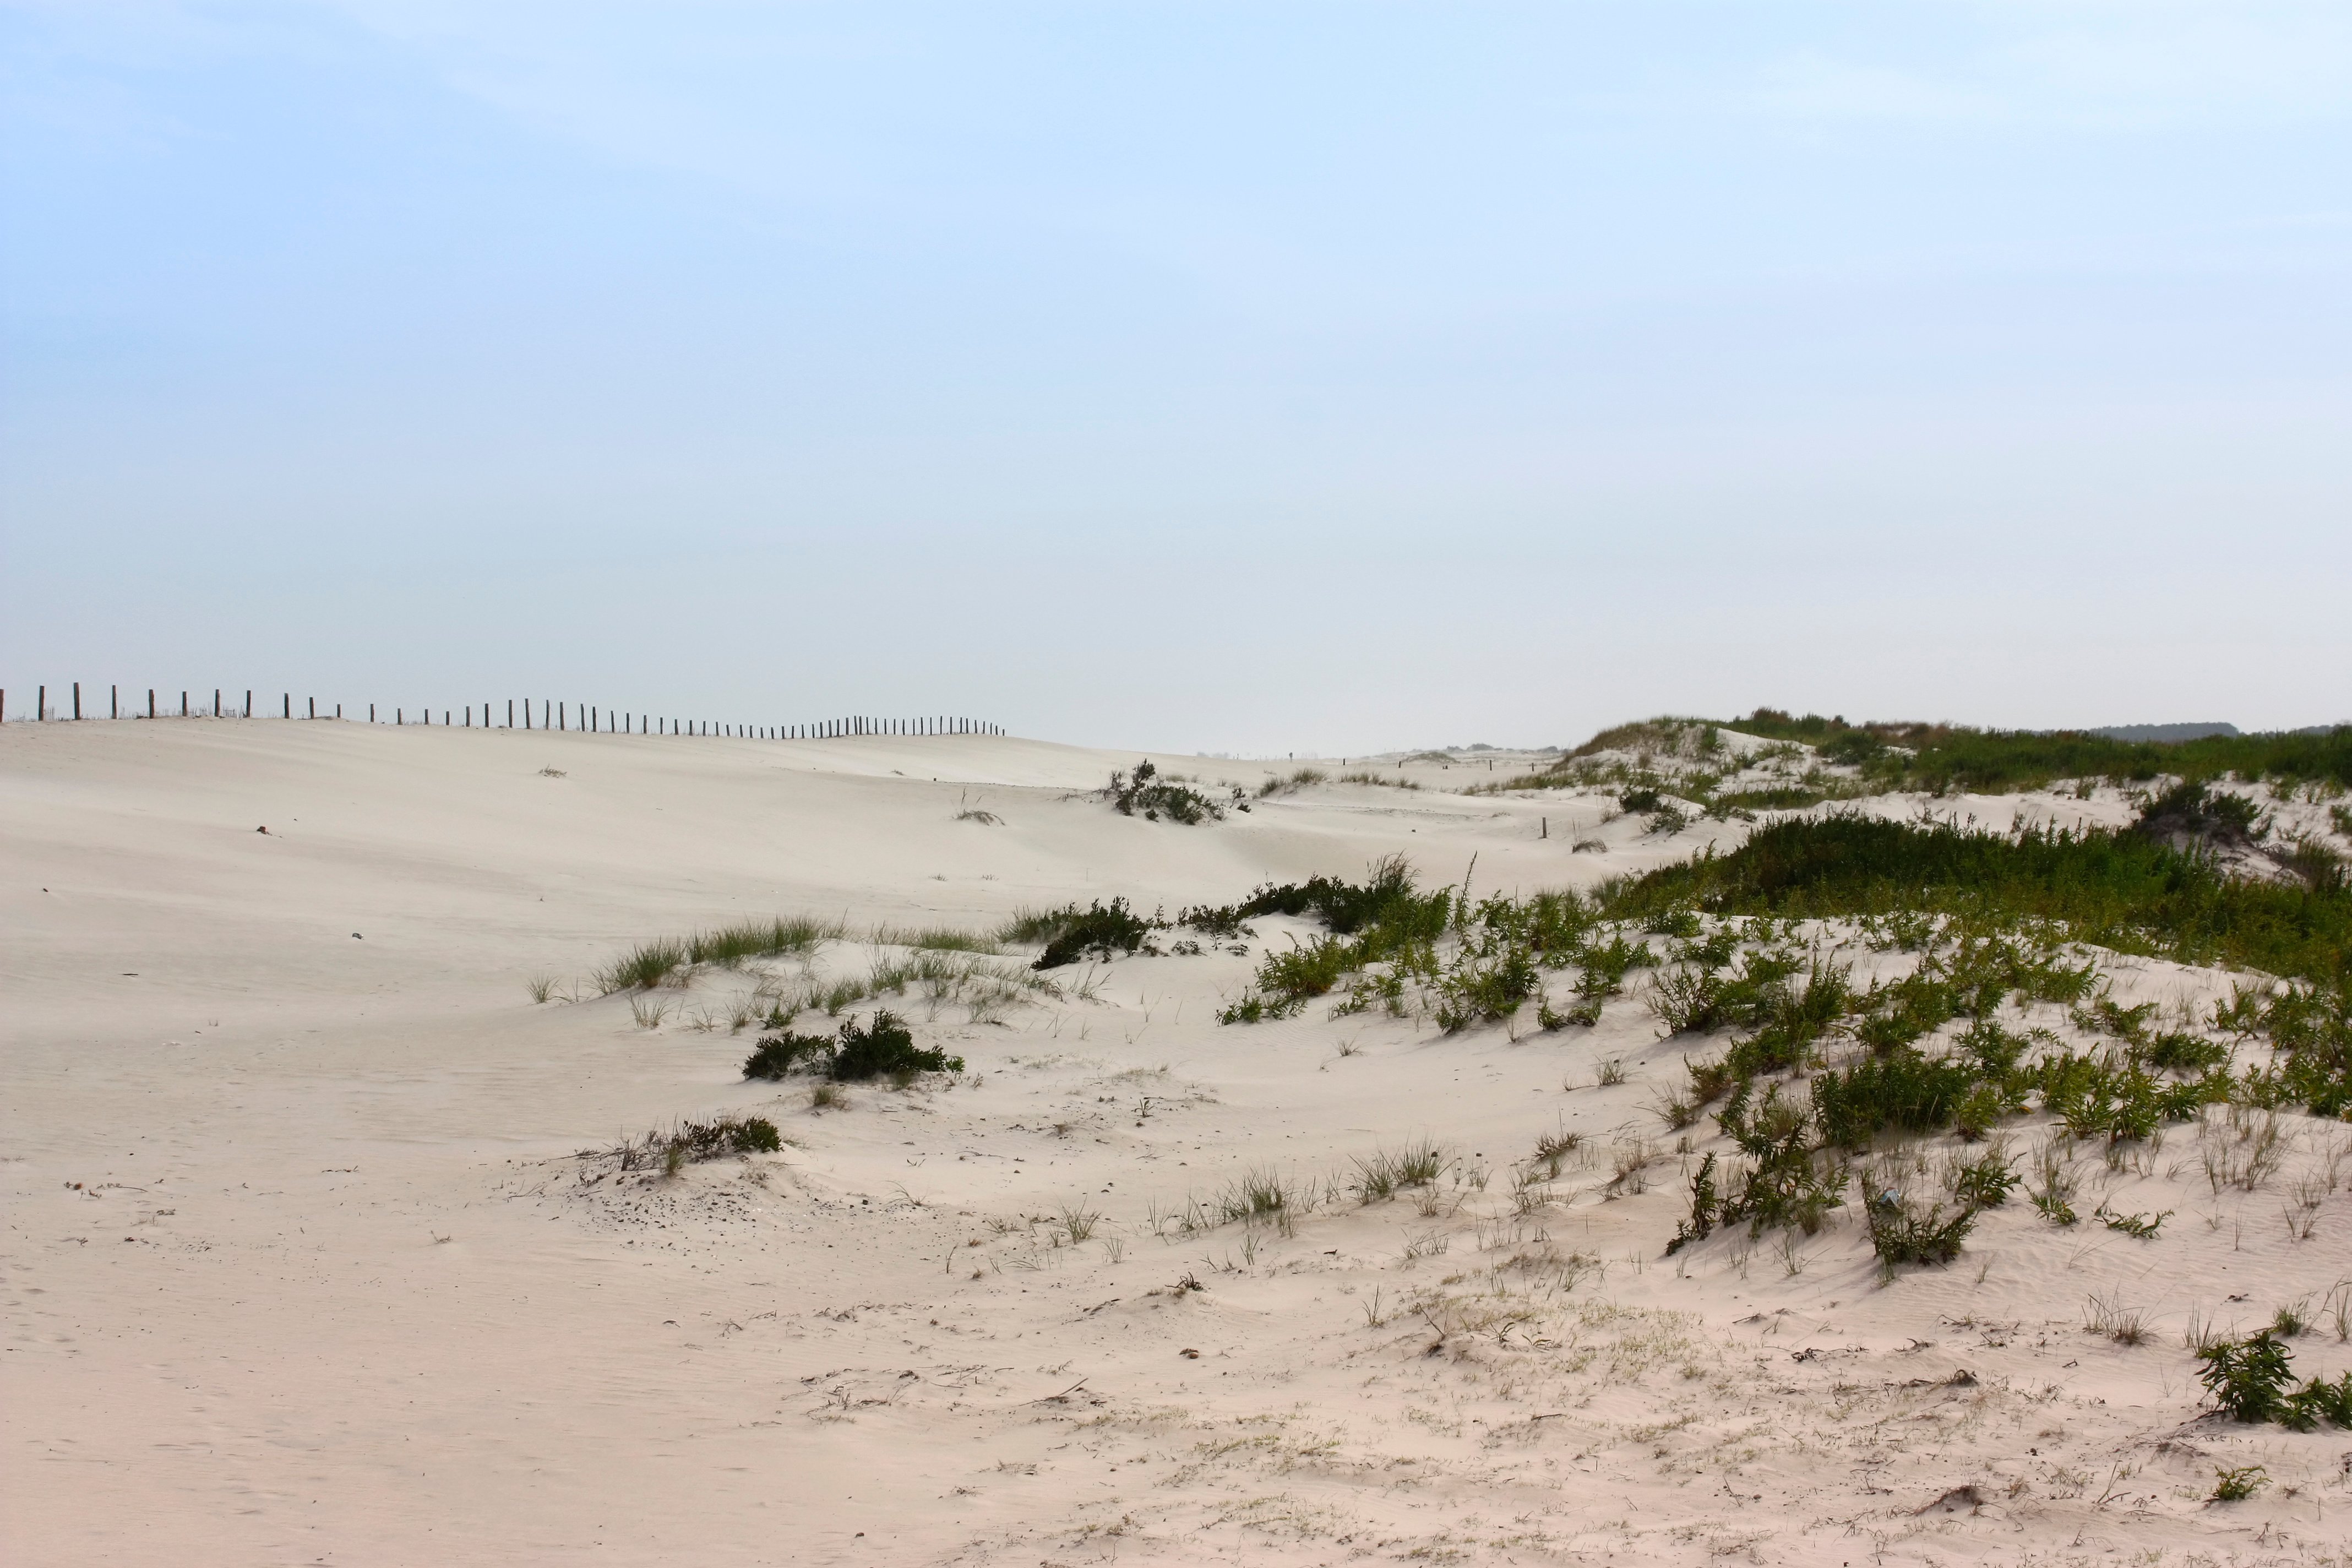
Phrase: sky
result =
(1245, 378)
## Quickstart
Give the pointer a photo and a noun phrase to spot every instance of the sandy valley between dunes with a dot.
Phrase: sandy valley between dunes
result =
(304, 1264)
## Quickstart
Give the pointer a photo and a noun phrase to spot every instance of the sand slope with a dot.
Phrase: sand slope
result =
(303, 1263)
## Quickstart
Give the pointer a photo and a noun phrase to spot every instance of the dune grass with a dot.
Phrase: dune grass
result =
(669, 960)
(937, 939)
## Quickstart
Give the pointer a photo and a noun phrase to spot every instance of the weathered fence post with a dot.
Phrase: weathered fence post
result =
(77, 700)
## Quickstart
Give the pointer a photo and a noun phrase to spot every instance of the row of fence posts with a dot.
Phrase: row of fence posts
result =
(559, 715)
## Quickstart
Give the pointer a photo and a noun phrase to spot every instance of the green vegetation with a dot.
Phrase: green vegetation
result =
(1143, 791)
(937, 939)
(692, 1143)
(1943, 758)
(883, 1046)
(1282, 785)
(2124, 892)
(669, 960)
(776, 1056)
(2239, 1484)
(1071, 933)
(2253, 1379)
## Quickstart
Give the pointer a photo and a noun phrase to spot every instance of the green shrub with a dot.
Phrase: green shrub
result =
(2317, 1400)
(757, 1135)
(776, 1056)
(1703, 1203)
(1484, 989)
(1902, 1089)
(1102, 931)
(2184, 1053)
(1902, 1231)
(2247, 1378)
(1984, 1184)
(1143, 791)
(883, 1046)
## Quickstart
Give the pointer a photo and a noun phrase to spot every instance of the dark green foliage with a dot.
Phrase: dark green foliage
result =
(1639, 799)
(1902, 1089)
(2183, 1053)
(777, 1055)
(884, 1046)
(2194, 809)
(1143, 791)
(1099, 931)
(2247, 1378)
(1903, 1232)
(1343, 907)
(757, 1135)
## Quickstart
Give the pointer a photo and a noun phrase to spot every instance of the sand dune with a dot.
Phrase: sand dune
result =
(306, 1262)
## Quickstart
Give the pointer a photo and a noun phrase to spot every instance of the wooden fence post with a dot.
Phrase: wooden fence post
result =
(150, 702)
(77, 700)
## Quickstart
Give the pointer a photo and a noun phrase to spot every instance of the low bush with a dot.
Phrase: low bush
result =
(1903, 1230)
(882, 1047)
(2247, 1379)
(1903, 1089)
(690, 1142)
(1142, 792)
(776, 1056)
(1103, 932)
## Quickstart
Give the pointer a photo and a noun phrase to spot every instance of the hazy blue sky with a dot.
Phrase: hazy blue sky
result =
(1268, 376)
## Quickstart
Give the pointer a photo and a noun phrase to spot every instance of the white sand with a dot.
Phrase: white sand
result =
(301, 1266)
